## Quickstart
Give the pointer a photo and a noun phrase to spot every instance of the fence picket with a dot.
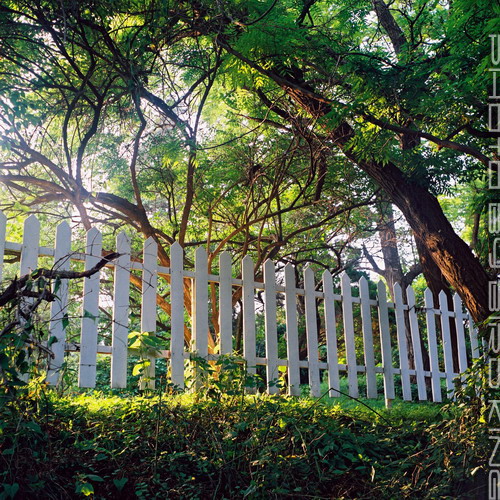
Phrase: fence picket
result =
(29, 251)
(225, 304)
(311, 332)
(366, 319)
(271, 327)
(292, 331)
(121, 296)
(459, 323)
(247, 272)
(29, 261)
(385, 343)
(432, 342)
(200, 310)
(200, 303)
(350, 348)
(402, 346)
(88, 342)
(417, 346)
(148, 305)
(3, 230)
(58, 308)
(476, 353)
(177, 315)
(445, 330)
(331, 335)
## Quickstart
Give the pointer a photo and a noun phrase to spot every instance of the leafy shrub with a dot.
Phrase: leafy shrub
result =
(220, 445)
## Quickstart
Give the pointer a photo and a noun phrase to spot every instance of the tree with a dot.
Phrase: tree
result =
(111, 124)
(126, 72)
(359, 93)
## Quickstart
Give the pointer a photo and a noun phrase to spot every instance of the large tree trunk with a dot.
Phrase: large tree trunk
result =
(437, 283)
(451, 254)
(421, 209)
(393, 272)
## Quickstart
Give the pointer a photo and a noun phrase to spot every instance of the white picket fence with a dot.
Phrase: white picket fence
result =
(337, 334)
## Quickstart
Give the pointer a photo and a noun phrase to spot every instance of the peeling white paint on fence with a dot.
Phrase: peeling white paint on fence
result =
(332, 331)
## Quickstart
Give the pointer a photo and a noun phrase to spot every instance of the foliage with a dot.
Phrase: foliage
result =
(22, 350)
(234, 446)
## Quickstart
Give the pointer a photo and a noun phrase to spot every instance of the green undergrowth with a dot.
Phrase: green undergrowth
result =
(237, 446)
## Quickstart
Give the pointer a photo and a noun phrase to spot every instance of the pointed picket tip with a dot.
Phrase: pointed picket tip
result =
(226, 258)
(63, 238)
(308, 272)
(326, 276)
(443, 299)
(150, 242)
(290, 276)
(410, 293)
(63, 227)
(201, 260)
(381, 292)
(457, 301)
(364, 290)
(428, 297)
(93, 231)
(269, 265)
(247, 259)
(94, 236)
(31, 218)
(397, 288)
(345, 283)
(200, 255)
(176, 248)
(32, 223)
(122, 240)
(122, 235)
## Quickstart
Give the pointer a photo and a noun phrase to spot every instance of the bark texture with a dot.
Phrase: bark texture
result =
(459, 266)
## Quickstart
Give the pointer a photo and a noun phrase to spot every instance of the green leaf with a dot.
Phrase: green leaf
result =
(57, 285)
(87, 314)
(85, 489)
(34, 427)
(93, 477)
(139, 367)
(120, 483)
(151, 340)
(52, 340)
(10, 490)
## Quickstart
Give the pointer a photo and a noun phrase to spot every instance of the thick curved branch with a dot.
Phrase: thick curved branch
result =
(432, 138)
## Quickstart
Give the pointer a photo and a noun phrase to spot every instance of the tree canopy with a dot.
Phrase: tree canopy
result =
(276, 127)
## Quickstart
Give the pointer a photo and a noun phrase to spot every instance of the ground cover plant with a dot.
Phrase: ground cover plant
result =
(215, 445)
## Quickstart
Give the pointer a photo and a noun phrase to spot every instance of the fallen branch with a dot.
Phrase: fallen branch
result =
(17, 286)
